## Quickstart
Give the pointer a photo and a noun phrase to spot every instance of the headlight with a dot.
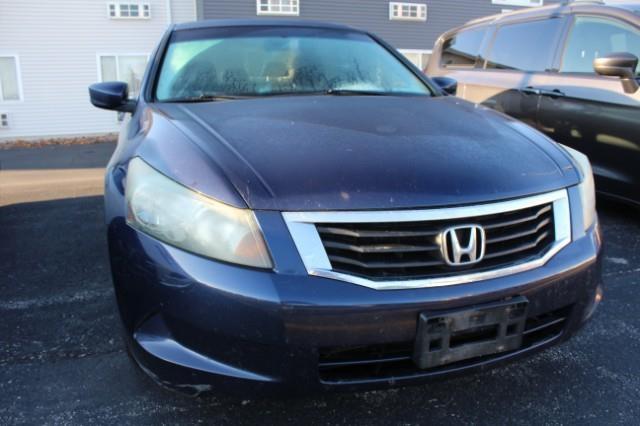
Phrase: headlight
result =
(587, 187)
(172, 213)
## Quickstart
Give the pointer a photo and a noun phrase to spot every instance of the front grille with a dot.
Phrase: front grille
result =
(343, 365)
(411, 250)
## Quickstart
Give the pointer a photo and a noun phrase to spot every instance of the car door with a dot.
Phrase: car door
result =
(592, 113)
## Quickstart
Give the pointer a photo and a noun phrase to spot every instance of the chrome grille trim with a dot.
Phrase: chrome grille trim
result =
(302, 226)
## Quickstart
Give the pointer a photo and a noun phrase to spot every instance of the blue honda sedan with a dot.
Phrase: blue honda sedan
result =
(293, 206)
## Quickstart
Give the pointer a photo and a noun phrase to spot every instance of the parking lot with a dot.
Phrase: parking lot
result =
(62, 360)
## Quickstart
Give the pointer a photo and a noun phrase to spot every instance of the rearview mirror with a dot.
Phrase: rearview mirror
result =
(113, 95)
(621, 65)
(448, 85)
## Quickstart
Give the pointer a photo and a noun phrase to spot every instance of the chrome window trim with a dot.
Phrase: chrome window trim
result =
(307, 240)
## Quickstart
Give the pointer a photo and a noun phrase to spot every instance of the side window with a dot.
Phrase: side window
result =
(420, 58)
(462, 50)
(9, 83)
(592, 37)
(525, 46)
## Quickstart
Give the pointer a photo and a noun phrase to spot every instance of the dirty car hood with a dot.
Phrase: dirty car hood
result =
(356, 152)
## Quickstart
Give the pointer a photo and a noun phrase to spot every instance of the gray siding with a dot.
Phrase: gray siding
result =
(373, 16)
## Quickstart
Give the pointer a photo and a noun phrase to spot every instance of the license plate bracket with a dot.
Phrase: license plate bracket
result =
(447, 337)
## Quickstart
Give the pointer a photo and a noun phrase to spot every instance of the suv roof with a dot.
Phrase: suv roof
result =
(632, 5)
(593, 6)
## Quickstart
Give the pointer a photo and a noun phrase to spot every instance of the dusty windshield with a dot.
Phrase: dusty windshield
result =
(274, 61)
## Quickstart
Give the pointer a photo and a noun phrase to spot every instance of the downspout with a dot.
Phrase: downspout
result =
(167, 6)
(199, 5)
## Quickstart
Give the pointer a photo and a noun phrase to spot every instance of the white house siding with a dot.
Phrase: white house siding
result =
(57, 44)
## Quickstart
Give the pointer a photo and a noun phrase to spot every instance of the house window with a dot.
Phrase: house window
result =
(129, 10)
(420, 58)
(525, 3)
(9, 79)
(408, 11)
(278, 7)
(127, 68)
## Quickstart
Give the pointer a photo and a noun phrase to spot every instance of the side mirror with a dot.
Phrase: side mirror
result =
(621, 65)
(112, 95)
(448, 85)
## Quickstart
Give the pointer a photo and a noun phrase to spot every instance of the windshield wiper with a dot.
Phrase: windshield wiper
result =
(210, 97)
(330, 92)
(205, 97)
(354, 92)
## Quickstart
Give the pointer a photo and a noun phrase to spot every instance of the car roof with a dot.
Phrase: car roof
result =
(225, 23)
(633, 6)
(605, 6)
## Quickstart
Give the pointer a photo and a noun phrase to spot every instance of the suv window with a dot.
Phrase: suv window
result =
(462, 49)
(525, 46)
(592, 37)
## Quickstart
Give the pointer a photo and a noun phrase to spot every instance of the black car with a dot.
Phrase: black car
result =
(569, 70)
(294, 206)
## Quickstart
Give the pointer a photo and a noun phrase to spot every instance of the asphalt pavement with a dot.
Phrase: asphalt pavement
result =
(62, 360)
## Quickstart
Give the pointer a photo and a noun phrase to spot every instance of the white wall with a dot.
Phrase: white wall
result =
(58, 43)
(183, 10)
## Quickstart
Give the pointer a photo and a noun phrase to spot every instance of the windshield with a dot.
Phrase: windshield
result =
(263, 61)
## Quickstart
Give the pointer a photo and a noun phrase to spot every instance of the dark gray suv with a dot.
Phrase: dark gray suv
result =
(569, 70)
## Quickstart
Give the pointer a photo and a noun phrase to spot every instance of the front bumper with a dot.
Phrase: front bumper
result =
(196, 325)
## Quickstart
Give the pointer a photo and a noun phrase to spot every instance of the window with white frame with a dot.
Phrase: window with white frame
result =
(524, 3)
(278, 7)
(9, 79)
(127, 68)
(420, 58)
(407, 11)
(129, 10)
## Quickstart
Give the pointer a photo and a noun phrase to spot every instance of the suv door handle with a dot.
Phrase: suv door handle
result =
(555, 93)
(530, 90)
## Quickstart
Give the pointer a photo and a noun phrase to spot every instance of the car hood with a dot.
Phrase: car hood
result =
(365, 152)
